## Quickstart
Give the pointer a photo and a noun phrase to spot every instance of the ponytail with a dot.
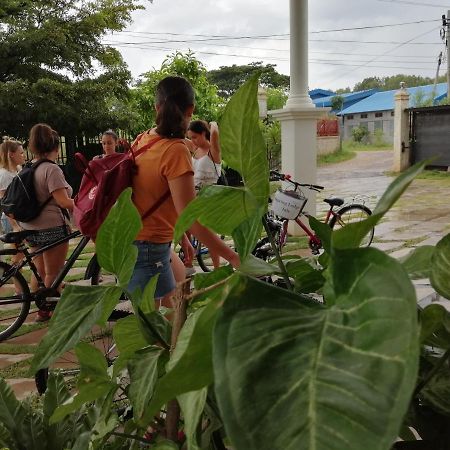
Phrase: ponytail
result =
(174, 95)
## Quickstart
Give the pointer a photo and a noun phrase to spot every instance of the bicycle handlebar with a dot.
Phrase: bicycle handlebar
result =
(277, 176)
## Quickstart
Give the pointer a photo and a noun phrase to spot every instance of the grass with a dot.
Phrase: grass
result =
(17, 370)
(336, 157)
(434, 175)
(17, 349)
(26, 328)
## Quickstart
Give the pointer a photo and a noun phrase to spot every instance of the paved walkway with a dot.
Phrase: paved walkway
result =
(421, 216)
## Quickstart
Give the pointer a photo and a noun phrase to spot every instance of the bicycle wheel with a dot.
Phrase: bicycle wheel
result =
(15, 300)
(204, 257)
(353, 214)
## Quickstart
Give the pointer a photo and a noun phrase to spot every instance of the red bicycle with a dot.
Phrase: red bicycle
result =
(288, 204)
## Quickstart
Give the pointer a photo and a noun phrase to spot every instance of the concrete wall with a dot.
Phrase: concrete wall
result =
(385, 123)
(327, 144)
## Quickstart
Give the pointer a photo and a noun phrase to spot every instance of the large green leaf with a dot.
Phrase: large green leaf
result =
(351, 235)
(212, 209)
(93, 381)
(435, 326)
(114, 240)
(242, 142)
(190, 365)
(437, 391)
(418, 262)
(337, 377)
(144, 368)
(440, 267)
(306, 277)
(12, 413)
(246, 235)
(79, 308)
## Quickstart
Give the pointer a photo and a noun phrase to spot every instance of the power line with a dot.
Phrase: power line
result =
(376, 26)
(406, 2)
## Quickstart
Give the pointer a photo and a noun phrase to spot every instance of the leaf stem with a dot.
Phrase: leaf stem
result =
(277, 254)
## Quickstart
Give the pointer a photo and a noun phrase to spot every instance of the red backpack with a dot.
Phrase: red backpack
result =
(104, 179)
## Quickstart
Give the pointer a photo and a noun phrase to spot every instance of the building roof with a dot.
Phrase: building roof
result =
(349, 98)
(318, 93)
(384, 101)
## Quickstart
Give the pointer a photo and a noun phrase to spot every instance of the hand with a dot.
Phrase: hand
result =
(188, 251)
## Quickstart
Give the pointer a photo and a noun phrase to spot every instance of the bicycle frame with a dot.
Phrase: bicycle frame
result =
(28, 260)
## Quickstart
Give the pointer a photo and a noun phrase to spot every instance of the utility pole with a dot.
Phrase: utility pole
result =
(447, 23)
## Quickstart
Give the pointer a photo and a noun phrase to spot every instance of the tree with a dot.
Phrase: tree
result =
(54, 67)
(337, 102)
(207, 102)
(229, 78)
(276, 98)
(393, 82)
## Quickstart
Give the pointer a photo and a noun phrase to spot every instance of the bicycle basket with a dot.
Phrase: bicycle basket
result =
(288, 204)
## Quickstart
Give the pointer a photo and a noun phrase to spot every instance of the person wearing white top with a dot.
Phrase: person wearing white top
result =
(11, 160)
(206, 158)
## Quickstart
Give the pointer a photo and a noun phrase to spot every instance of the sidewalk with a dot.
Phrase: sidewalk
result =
(420, 217)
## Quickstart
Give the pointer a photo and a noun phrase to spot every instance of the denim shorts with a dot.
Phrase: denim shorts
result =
(6, 225)
(153, 259)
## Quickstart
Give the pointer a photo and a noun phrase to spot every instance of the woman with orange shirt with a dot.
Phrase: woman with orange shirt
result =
(165, 173)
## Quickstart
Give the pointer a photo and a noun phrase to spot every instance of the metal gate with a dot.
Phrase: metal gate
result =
(429, 134)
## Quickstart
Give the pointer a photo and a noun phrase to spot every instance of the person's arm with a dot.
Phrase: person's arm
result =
(214, 143)
(62, 199)
(183, 192)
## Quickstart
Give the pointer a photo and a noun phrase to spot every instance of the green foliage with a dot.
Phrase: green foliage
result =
(276, 98)
(359, 134)
(271, 131)
(228, 79)
(41, 40)
(337, 102)
(393, 82)
(207, 102)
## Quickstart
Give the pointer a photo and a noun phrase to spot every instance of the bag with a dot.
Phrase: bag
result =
(232, 177)
(104, 179)
(20, 201)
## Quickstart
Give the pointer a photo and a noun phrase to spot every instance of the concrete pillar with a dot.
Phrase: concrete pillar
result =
(299, 117)
(401, 130)
(262, 102)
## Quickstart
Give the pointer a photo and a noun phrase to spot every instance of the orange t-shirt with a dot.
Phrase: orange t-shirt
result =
(165, 160)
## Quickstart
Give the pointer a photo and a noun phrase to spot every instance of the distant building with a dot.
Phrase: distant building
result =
(376, 112)
(350, 98)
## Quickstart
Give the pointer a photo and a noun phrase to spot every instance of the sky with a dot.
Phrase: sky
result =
(349, 40)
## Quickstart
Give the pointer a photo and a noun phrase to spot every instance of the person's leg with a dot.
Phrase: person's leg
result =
(54, 259)
(178, 268)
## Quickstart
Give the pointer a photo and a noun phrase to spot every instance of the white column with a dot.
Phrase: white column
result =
(299, 117)
(401, 130)
(299, 95)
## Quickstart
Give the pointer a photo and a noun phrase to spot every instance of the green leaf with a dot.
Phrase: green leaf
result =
(339, 376)
(323, 231)
(115, 237)
(212, 209)
(351, 235)
(93, 381)
(204, 280)
(306, 278)
(11, 410)
(79, 308)
(128, 336)
(56, 394)
(165, 445)
(257, 267)
(241, 140)
(192, 404)
(440, 267)
(144, 368)
(190, 365)
(418, 262)
(246, 235)
(435, 326)
(437, 391)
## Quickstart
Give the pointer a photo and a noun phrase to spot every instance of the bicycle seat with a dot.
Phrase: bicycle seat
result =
(15, 237)
(334, 201)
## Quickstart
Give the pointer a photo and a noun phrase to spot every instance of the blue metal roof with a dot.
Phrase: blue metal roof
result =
(384, 101)
(349, 98)
(318, 93)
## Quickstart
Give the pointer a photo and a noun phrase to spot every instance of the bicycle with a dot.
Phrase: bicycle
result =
(44, 297)
(289, 205)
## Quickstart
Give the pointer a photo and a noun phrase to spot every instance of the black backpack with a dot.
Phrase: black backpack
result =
(20, 202)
